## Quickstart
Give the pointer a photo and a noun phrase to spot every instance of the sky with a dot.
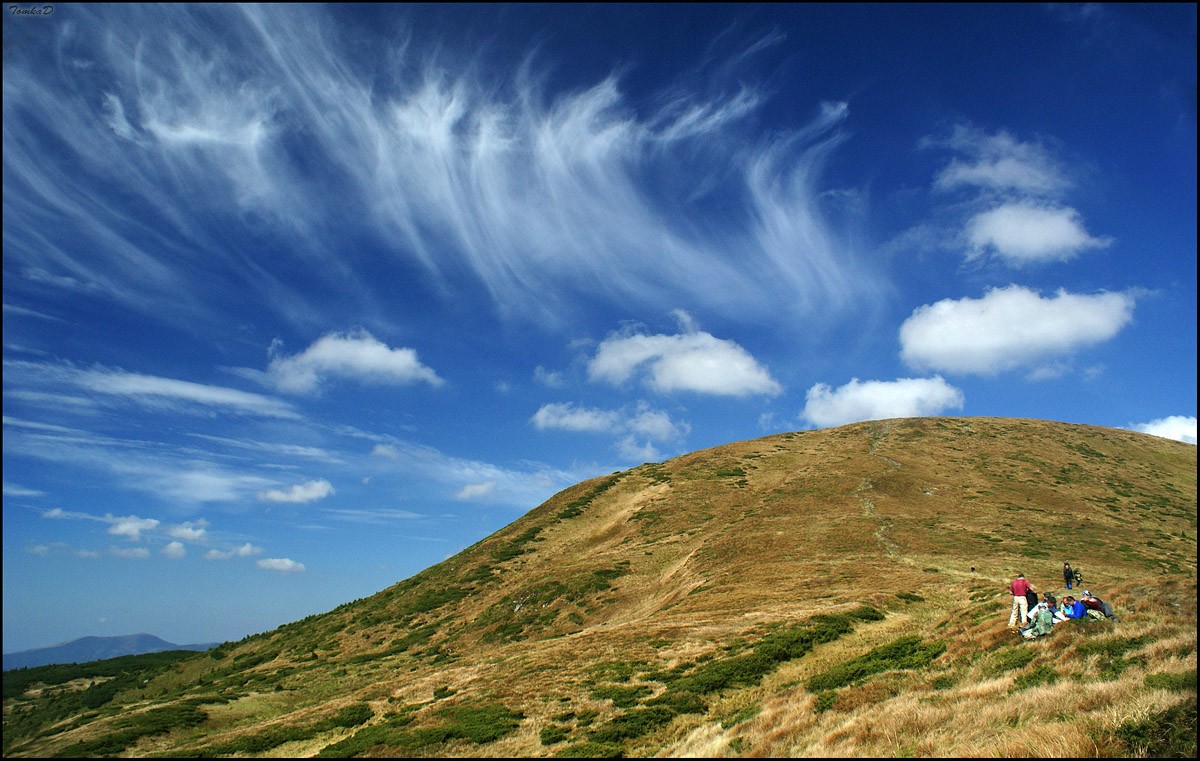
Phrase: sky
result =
(301, 300)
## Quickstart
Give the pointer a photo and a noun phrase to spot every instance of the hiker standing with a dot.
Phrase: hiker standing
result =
(1068, 575)
(1019, 589)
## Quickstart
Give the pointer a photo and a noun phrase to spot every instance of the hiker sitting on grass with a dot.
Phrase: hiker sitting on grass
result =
(1043, 622)
(1097, 608)
(1072, 609)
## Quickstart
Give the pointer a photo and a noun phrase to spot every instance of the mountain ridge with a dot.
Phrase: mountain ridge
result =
(698, 606)
(94, 648)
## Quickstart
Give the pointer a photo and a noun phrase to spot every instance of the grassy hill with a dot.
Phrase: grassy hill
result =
(834, 593)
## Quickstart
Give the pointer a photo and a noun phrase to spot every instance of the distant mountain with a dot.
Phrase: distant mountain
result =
(87, 649)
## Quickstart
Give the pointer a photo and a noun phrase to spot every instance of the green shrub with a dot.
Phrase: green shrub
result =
(1038, 675)
(904, 653)
(590, 750)
(1166, 734)
(824, 701)
(352, 715)
(1009, 659)
(1183, 681)
(633, 723)
(622, 697)
(553, 733)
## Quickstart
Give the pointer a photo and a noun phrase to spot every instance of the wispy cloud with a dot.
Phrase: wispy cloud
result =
(491, 182)
(877, 400)
(147, 390)
(1009, 328)
(638, 428)
(309, 491)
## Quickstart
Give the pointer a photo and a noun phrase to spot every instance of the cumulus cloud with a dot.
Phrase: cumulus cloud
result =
(877, 400)
(131, 526)
(192, 531)
(309, 491)
(1178, 427)
(1024, 233)
(174, 550)
(694, 361)
(357, 356)
(1009, 328)
(283, 565)
(1017, 215)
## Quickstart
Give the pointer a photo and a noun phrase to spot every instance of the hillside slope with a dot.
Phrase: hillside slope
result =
(833, 592)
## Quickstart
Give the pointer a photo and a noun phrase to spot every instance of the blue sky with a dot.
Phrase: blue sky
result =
(300, 300)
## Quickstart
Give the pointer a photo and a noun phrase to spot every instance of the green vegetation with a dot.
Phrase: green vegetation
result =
(905, 653)
(1182, 681)
(156, 721)
(1167, 734)
(480, 723)
(1038, 675)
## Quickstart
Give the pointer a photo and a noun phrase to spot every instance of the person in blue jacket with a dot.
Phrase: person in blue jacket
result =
(1072, 608)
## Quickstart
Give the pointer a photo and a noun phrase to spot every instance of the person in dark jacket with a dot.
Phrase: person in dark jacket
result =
(1068, 575)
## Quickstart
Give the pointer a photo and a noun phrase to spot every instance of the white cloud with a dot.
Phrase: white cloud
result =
(877, 400)
(131, 526)
(149, 390)
(548, 378)
(358, 356)
(694, 361)
(245, 551)
(1000, 162)
(192, 531)
(131, 553)
(1177, 427)
(174, 550)
(463, 170)
(569, 417)
(1025, 233)
(470, 491)
(636, 428)
(309, 491)
(283, 565)
(1009, 328)
(14, 490)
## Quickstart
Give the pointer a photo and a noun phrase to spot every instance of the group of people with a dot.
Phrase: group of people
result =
(1037, 618)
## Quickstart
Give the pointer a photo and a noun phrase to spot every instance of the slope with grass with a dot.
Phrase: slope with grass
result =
(835, 592)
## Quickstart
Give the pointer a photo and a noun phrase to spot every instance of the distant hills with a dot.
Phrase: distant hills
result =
(832, 593)
(87, 649)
